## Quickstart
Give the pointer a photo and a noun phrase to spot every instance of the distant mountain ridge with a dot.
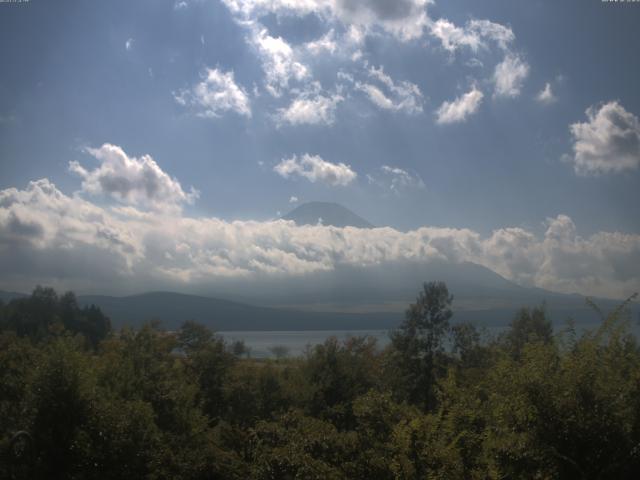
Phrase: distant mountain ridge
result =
(490, 306)
(326, 213)
(347, 297)
(171, 309)
(6, 297)
(493, 305)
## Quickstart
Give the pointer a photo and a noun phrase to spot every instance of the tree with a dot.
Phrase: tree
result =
(240, 348)
(60, 405)
(208, 361)
(466, 344)
(194, 336)
(528, 326)
(337, 373)
(417, 349)
(254, 391)
(44, 313)
(279, 351)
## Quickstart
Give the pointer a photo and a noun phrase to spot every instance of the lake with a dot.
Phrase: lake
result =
(296, 342)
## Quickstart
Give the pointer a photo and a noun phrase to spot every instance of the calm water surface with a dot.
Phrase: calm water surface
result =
(296, 342)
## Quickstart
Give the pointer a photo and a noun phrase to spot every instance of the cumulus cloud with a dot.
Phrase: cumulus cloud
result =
(278, 61)
(546, 95)
(461, 108)
(315, 169)
(475, 34)
(216, 94)
(404, 19)
(293, 199)
(131, 180)
(608, 142)
(128, 45)
(289, 67)
(327, 43)
(248, 8)
(399, 96)
(509, 75)
(42, 230)
(566, 262)
(40, 225)
(310, 108)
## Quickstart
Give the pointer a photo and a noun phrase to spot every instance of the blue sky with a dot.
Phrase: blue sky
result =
(458, 115)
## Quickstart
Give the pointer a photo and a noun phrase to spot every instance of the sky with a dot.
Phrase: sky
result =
(160, 141)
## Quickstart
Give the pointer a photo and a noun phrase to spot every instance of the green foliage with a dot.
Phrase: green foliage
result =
(528, 326)
(255, 391)
(417, 354)
(337, 374)
(296, 447)
(438, 403)
(280, 351)
(44, 313)
(207, 362)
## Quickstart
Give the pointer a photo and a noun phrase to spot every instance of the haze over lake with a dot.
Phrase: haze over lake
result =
(298, 343)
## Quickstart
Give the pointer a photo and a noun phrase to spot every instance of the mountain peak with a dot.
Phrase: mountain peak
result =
(327, 213)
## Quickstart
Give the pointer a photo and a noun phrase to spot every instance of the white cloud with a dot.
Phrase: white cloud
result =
(509, 76)
(128, 45)
(326, 43)
(459, 109)
(453, 37)
(376, 96)
(396, 179)
(563, 261)
(293, 199)
(250, 8)
(492, 31)
(346, 24)
(355, 36)
(49, 237)
(310, 109)
(40, 226)
(608, 142)
(315, 169)
(278, 61)
(401, 96)
(136, 181)
(217, 93)
(404, 19)
(474, 35)
(546, 95)
(474, 63)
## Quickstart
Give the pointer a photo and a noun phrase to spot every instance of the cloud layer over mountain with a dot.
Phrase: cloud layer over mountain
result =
(47, 236)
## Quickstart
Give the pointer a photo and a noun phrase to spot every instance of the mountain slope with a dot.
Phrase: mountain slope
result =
(327, 213)
(479, 293)
(346, 298)
(171, 309)
(6, 297)
(363, 299)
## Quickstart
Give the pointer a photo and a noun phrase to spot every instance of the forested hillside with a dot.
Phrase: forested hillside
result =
(80, 400)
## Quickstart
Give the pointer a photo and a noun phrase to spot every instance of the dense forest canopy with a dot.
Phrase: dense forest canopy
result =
(79, 400)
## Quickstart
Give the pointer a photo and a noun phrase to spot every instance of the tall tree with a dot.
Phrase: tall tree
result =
(417, 351)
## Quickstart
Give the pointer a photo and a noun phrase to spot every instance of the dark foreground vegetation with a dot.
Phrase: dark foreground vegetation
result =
(438, 403)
